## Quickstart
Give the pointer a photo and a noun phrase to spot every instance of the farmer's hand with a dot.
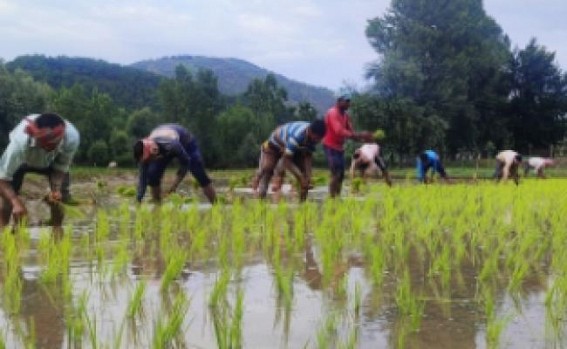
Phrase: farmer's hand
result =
(365, 136)
(19, 210)
(54, 197)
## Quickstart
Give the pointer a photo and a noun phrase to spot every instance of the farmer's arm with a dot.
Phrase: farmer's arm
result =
(336, 127)
(142, 182)
(11, 160)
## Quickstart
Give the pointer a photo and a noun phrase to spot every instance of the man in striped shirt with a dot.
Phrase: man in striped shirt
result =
(294, 142)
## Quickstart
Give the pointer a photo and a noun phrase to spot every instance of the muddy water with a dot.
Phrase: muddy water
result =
(452, 317)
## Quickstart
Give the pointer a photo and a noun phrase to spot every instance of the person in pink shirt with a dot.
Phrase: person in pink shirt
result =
(366, 159)
(538, 164)
(339, 129)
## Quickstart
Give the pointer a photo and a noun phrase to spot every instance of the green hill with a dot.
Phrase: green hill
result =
(129, 87)
(134, 86)
(234, 75)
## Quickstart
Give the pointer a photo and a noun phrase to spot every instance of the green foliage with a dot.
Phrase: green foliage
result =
(193, 101)
(235, 75)
(129, 87)
(94, 114)
(538, 103)
(233, 123)
(267, 99)
(20, 95)
(98, 153)
(141, 122)
(445, 60)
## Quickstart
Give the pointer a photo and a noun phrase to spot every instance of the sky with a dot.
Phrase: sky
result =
(319, 42)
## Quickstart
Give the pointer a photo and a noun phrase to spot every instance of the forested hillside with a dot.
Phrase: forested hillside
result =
(234, 76)
(444, 78)
(134, 86)
(112, 106)
(129, 87)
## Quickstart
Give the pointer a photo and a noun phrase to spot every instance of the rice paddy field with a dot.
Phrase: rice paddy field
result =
(473, 264)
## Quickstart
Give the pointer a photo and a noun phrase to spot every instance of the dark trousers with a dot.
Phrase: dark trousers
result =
(18, 179)
(57, 211)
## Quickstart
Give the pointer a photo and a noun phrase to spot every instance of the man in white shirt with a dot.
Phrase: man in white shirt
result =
(367, 159)
(538, 164)
(41, 143)
(507, 163)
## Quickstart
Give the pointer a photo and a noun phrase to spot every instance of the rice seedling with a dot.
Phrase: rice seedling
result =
(168, 328)
(454, 247)
(175, 262)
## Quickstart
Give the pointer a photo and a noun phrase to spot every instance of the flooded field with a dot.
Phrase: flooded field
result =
(439, 266)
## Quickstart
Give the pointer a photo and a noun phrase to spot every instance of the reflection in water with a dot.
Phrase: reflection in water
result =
(415, 291)
(43, 310)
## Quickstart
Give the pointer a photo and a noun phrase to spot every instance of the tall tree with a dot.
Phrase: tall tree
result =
(193, 101)
(267, 101)
(237, 136)
(538, 99)
(93, 114)
(446, 57)
(20, 95)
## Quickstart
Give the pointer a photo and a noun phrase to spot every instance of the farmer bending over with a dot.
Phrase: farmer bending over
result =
(41, 143)
(507, 163)
(538, 164)
(367, 158)
(155, 152)
(294, 143)
(429, 159)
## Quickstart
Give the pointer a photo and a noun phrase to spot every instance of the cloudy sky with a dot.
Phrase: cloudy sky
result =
(320, 42)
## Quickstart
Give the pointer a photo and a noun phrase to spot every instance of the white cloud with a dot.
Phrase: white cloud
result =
(315, 41)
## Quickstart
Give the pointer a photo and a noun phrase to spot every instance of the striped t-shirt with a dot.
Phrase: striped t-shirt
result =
(292, 137)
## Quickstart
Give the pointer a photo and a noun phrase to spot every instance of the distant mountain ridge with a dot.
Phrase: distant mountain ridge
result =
(134, 85)
(234, 75)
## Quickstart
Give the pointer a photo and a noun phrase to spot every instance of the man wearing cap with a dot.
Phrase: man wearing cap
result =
(427, 160)
(293, 143)
(155, 152)
(41, 143)
(339, 129)
(507, 163)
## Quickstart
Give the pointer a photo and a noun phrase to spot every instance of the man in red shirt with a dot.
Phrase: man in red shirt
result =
(339, 128)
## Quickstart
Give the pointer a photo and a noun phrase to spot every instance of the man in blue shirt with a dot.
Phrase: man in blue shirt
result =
(429, 159)
(41, 143)
(294, 142)
(155, 152)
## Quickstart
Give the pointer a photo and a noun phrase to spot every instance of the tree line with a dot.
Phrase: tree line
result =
(228, 129)
(445, 78)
